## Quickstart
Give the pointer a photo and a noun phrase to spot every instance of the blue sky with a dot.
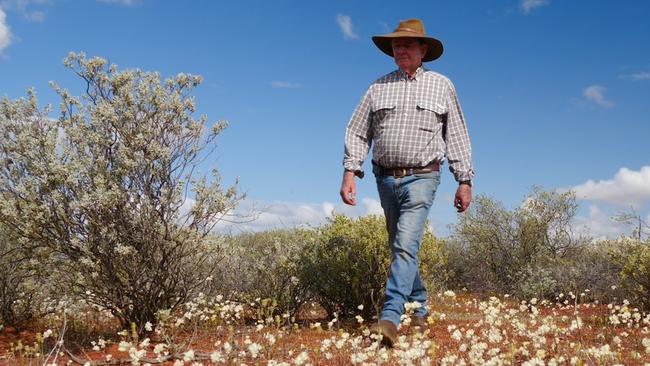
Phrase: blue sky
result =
(556, 93)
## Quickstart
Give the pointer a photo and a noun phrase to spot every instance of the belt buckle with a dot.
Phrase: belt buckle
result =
(399, 173)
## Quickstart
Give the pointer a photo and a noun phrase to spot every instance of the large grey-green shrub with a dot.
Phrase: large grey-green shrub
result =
(106, 187)
(22, 276)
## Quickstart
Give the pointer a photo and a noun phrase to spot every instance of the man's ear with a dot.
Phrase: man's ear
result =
(425, 48)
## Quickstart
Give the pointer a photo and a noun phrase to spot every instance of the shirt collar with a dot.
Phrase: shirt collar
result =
(417, 74)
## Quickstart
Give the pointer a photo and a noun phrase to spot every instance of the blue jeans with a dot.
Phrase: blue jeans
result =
(406, 202)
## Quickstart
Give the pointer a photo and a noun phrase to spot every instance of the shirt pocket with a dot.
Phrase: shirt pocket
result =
(384, 106)
(430, 115)
(383, 113)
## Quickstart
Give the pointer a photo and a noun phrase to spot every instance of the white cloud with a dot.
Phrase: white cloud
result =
(627, 188)
(282, 214)
(5, 32)
(345, 23)
(328, 208)
(35, 16)
(598, 224)
(22, 7)
(596, 94)
(373, 206)
(639, 76)
(284, 85)
(527, 6)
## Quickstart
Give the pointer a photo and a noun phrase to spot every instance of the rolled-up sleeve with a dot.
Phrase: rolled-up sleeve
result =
(459, 149)
(358, 136)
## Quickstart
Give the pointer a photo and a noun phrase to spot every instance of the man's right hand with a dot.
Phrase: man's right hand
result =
(349, 188)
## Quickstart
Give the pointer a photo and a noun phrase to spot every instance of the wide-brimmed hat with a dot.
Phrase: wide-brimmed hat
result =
(412, 28)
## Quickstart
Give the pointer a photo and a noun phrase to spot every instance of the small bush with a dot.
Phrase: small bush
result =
(263, 265)
(524, 252)
(633, 257)
(347, 264)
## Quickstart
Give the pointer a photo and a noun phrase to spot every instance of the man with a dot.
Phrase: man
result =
(413, 119)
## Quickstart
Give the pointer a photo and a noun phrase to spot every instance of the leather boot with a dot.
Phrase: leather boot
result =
(387, 329)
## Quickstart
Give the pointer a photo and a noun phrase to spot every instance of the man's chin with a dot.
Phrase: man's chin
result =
(403, 65)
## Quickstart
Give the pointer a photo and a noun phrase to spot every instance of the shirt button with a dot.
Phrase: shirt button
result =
(406, 114)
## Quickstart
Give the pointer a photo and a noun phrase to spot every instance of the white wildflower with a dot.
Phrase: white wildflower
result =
(216, 357)
(254, 349)
(457, 335)
(188, 356)
(270, 338)
(159, 348)
(301, 358)
(646, 344)
(136, 354)
(124, 346)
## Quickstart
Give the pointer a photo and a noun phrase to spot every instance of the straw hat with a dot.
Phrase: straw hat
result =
(413, 28)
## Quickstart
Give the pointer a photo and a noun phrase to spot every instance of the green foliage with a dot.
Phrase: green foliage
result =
(594, 269)
(263, 266)
(347, 264)
(633, 257)
(520, 251)
(102, 187)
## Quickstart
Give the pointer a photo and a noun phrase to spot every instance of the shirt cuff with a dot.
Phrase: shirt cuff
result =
(464, 176)
(352, 166)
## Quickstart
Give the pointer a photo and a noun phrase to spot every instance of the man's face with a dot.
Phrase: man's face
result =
(408, 53)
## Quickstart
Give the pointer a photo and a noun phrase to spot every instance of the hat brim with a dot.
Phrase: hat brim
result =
(384, 44)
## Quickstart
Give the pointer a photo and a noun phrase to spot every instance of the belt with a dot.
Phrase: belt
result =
(403, 172)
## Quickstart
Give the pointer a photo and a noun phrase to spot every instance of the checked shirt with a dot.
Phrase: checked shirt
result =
(410, 123)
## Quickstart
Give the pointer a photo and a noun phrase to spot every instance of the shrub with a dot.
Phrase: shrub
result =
(522, 251)
(103, 187)
(262, 266)
(22, 280)
(347, 264)
(633, 257)
(594, 269)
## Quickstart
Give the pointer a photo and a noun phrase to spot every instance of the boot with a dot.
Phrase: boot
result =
(387, 329)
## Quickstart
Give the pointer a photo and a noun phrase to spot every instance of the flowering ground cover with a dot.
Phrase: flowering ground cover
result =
(462, 330)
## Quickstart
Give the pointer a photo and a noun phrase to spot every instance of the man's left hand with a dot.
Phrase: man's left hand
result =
(463, 197)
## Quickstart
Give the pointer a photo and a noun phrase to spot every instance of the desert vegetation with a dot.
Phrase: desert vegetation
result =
(108, 255)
